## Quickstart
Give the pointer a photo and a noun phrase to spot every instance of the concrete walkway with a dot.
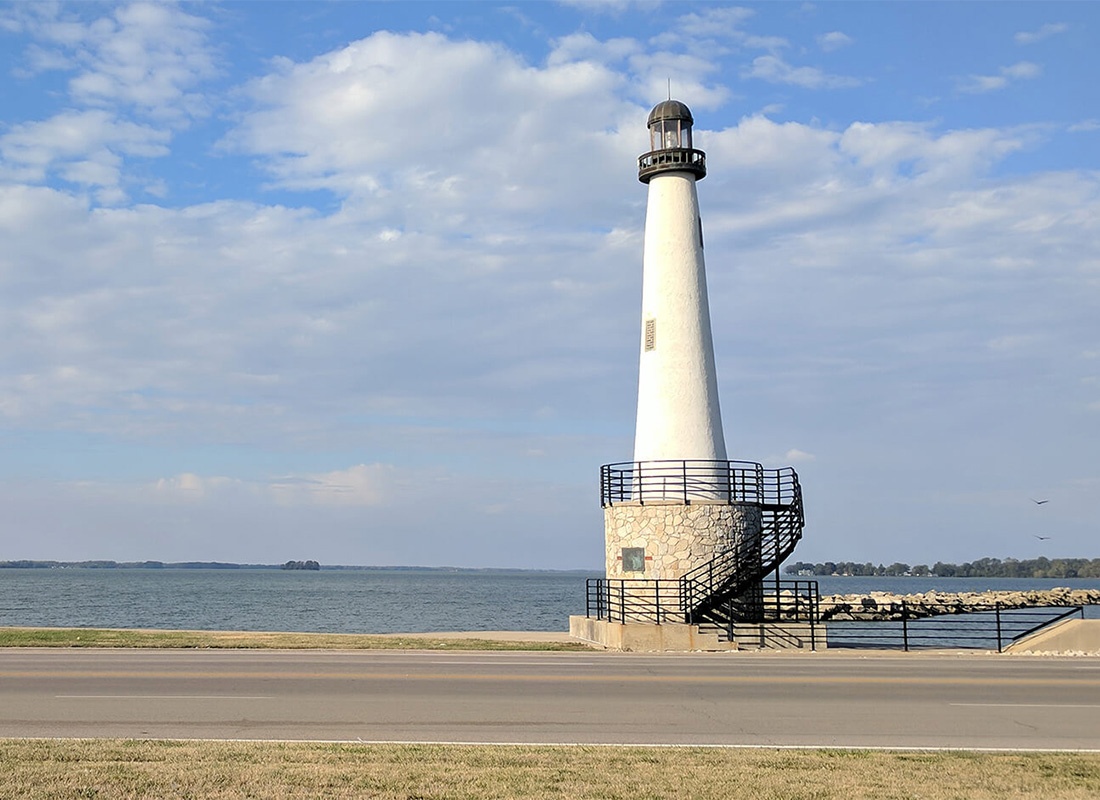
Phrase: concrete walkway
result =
(1071, 636)
(494, 636)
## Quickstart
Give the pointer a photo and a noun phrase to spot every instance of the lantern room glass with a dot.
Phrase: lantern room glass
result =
(669, 134)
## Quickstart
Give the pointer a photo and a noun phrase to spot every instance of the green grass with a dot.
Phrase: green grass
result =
(231, 770)
(98, 637)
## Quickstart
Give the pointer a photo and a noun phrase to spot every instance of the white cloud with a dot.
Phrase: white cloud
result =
(689, 74)
(774, 69)
(347, 317)
(82, 147)
(140, 60)
(1022, 70)
(1085, 126)
(615, 7)
(187, 487)
(834, 40)
(980, 84)
(583, 46)
(42, 59)
(727, 23)
(1014, 342)
(910, 149)
(372, 514)
(796, 456)
(1044, 32)
(145, 55)
(469, 301)
(319, 124)
(362, 485)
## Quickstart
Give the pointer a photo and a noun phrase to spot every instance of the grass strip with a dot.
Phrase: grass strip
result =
(232, 770)
(239, 640)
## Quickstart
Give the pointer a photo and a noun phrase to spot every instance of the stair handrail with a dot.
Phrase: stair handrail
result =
(735, 570)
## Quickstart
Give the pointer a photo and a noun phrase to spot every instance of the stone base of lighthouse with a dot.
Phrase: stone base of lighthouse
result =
(664, 540)
(649, 547)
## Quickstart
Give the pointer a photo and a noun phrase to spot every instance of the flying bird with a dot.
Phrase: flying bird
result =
(1039, 502)
(1040, 538)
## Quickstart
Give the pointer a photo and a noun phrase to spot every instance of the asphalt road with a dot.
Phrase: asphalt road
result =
(746, 699)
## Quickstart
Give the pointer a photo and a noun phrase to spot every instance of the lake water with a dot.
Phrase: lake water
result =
(352, 601)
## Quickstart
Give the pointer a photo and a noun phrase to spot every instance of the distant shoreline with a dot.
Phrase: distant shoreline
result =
(971, 572)
(226, 565)
(1058, 568)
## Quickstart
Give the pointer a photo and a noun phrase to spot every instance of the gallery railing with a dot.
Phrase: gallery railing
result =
(697, 480)
(685, 158)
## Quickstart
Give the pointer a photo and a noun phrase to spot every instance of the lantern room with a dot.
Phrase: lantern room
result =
(670, 126)
(670, 143)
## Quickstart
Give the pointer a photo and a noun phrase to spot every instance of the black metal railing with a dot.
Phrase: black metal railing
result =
(634, 600)
(674, 158)
(657, 601)
(771, 609)
(785, 601)
(736, 571)
(697, 480)
(983, 628)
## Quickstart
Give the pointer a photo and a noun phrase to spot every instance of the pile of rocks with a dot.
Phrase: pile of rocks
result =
(887, 606)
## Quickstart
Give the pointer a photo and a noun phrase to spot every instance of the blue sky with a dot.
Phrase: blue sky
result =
(360, 282)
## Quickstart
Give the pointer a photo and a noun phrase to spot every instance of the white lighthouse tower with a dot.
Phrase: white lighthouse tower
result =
(689, 535)
(678, 412)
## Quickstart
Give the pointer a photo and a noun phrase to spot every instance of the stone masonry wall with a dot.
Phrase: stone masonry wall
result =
(675, 537)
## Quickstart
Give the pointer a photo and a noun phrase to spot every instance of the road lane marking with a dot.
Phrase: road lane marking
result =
(609, 745)
(514, 663)
(751, 680)
(161, 697)
(1025, 705)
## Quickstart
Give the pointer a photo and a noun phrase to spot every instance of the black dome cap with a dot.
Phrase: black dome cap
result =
(670, 109)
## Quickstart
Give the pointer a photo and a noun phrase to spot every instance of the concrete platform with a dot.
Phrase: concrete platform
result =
(492, 636)
(643, 637)
(1069, 636)
(780, 636)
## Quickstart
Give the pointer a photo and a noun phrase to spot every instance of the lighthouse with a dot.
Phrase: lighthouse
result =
(678, 504)
(678, 411)
(689, 534)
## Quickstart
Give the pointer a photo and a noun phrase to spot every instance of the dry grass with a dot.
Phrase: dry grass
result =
(222, 770)
(94, 637)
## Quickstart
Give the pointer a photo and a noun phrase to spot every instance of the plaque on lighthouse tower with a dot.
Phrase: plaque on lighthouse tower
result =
(633, 559)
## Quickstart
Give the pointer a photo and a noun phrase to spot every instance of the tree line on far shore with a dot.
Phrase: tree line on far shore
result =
(982, 568)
